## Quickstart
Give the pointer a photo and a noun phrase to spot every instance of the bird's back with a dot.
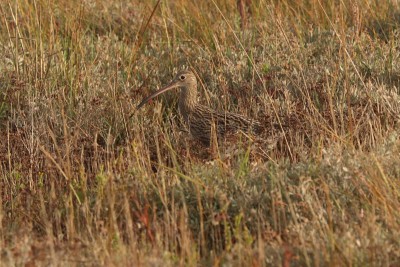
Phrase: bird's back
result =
(202, 120)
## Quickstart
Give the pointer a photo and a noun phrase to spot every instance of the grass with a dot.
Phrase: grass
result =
(83, 184)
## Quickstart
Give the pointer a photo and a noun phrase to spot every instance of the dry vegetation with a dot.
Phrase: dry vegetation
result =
(82, 184)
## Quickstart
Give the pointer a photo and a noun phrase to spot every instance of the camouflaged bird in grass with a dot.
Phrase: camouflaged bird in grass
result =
(201, 119)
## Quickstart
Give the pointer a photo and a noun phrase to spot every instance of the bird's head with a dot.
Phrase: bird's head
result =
(185, 80)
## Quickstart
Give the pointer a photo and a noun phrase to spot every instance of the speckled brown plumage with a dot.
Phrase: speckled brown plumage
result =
(201, 119)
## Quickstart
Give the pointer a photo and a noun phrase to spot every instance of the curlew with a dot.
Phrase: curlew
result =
(200, 119)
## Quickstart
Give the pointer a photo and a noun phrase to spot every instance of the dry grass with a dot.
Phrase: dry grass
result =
(82, 184)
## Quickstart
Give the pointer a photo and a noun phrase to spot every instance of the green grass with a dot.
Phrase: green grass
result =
(82, 184)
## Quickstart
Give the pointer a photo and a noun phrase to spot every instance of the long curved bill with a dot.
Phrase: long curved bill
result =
(170, 86)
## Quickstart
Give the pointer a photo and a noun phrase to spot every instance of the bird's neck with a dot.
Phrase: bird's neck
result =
(187, 99)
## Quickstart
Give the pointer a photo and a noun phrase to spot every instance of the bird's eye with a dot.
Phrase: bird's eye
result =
(182, 77)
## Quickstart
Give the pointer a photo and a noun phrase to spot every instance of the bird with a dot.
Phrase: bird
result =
(201, 120)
